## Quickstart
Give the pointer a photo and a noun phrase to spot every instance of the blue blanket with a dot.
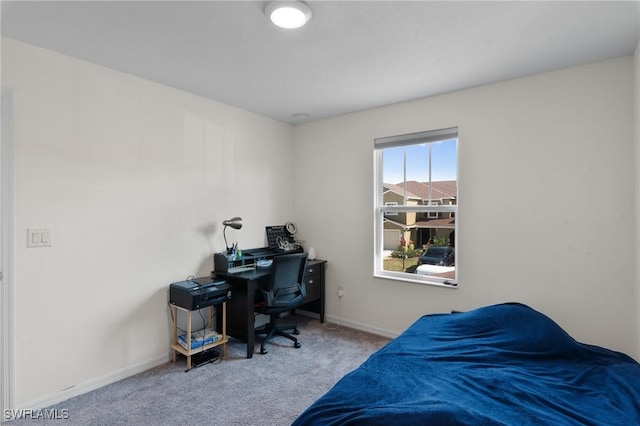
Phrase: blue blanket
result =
(498, 365)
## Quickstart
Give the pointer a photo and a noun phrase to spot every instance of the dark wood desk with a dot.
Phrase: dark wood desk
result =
(240, 314)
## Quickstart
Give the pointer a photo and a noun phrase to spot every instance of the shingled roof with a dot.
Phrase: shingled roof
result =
(445, 222)
(398, 189)
(439, 189)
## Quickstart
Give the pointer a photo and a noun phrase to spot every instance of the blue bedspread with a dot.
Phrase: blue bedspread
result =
(498, 365)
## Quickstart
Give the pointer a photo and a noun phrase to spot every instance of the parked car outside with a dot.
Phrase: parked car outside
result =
(438, 255)
(436, 270)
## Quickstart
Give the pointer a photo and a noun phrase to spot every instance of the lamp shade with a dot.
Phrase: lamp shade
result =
(234, 222)
(288, 14)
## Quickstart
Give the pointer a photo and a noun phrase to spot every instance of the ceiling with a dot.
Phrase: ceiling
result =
(351, 56)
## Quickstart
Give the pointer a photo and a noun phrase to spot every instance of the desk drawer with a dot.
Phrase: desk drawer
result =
(313, 269)
(312, 284)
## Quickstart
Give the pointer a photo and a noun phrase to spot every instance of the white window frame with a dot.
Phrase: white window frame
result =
(380, 209)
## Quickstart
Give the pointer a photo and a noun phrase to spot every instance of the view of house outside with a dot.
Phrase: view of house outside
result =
(421, 175)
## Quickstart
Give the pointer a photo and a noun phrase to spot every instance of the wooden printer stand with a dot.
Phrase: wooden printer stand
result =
(177, 347)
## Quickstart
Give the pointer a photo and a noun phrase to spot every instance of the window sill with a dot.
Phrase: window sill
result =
(399, 276)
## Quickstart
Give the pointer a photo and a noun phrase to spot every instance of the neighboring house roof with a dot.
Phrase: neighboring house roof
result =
(398, 189)
(398, 224)
(420, 190)
(439, 189)
(446, 222)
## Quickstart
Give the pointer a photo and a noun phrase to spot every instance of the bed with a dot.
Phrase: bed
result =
(503, 364)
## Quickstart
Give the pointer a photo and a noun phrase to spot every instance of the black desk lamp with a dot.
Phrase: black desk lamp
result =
(235, 223)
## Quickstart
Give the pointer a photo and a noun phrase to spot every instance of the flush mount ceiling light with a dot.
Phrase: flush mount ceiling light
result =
(288, 14)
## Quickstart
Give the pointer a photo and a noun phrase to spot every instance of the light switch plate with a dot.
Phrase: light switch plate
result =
(39, 237)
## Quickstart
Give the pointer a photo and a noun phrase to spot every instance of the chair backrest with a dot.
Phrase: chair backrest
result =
(286, 287)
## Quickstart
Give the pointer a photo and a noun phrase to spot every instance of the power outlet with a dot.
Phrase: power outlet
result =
(340, 290)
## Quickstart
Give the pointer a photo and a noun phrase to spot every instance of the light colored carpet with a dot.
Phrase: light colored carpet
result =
(271, 389)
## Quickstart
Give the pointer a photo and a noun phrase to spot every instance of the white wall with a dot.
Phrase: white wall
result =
(134, 179)
(546, 203)
(636, 71)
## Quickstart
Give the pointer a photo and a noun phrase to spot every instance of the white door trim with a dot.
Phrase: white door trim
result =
(6, 249)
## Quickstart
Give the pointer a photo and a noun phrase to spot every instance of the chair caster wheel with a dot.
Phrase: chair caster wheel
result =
(297, 345)
(296, 332)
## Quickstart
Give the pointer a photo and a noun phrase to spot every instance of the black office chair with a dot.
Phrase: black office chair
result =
(285, 292)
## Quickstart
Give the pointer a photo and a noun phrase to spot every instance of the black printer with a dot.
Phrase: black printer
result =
(197, 293)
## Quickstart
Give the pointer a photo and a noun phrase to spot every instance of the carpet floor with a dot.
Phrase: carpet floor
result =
(271, 389)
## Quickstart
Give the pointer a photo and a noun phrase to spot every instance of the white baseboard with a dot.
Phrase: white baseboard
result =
(90, 385)
(93, 384)
(362, 327)
(351, 324)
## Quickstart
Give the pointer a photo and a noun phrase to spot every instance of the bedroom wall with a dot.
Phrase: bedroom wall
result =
(636, 72)
(557, 149)
(134, 179)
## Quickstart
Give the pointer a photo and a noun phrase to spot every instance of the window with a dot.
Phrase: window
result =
(416, 202)
(432, 214)
(391, 203)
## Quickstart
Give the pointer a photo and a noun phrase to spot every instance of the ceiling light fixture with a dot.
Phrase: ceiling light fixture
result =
(288, 14)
